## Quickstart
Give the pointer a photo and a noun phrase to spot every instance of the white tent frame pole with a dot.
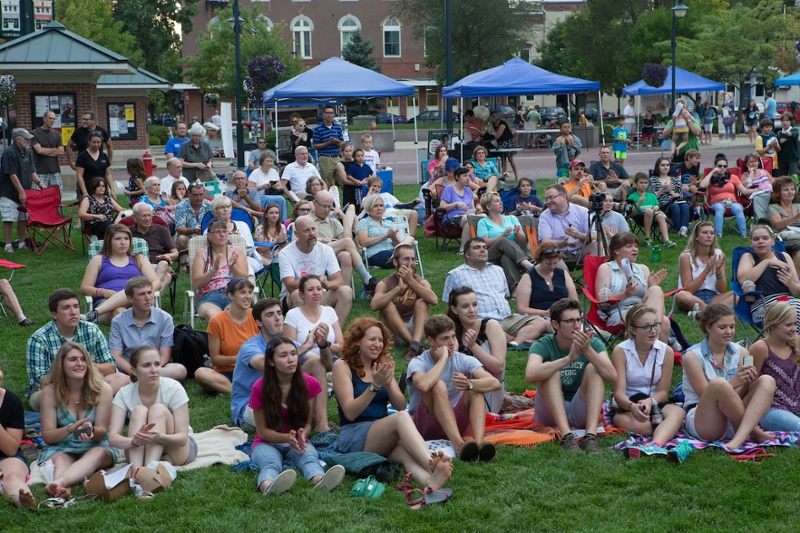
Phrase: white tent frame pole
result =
(600, 112)
(277, 130)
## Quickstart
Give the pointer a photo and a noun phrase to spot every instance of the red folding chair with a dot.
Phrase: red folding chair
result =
(45, 219)
(13, 267)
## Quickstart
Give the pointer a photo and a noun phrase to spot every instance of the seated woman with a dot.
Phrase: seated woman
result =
(213, 268)
(98, 210)
(505, 239)
(364, 383)
(156, 199)
(523, 201)
(702, 271)
(644, 373)
(783, 212)
(107, 273)
(756, 179)
(76, 410)
(222, 207)
(668, 188)
(778, 355)
(227, 331)
(13, 464)
(158, 408)
(394, 207)
(376, 234)
(543, 285)
(271, 230)
(485, 171)
(772, 272)
(643, 286)
(306, 318)
(725, 399)
(282, 402)
(301, 208)
(721, 187)
(482, 339)
(457, 202)
(436, 165)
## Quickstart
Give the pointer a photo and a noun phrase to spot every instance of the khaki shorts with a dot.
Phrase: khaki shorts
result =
(512, 324)
(9, 211)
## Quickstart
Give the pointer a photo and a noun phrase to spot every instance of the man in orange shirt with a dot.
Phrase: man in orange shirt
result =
(581, 185)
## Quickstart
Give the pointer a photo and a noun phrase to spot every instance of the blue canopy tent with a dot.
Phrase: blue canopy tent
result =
(786, 81)
(685, 82)
(337, 78)
(517, 76)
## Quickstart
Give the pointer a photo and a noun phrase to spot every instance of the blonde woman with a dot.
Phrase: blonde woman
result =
(702, 271)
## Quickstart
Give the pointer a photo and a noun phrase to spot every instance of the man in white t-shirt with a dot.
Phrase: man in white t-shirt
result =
(307, 256)
(296, 174)
(175, 173)
(630, 117)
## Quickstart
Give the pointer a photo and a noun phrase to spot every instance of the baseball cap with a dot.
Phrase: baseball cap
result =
(576, 162)
(21, 132)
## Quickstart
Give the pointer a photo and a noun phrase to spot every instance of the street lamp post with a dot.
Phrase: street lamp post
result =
(678, 11)
(237, 30)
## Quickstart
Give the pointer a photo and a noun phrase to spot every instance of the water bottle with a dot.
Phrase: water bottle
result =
(695, 311)
(656, 417)
(655, 255)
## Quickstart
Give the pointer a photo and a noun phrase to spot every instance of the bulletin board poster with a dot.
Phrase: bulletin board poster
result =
(63, 105)
(122, 121)
(437, 137)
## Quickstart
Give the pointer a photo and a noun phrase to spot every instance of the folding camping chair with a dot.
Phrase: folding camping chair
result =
(130, 221)
(45, 219)
(400, 223)
(448, 232)
(741, 307)
(139, 246)
(13, 267)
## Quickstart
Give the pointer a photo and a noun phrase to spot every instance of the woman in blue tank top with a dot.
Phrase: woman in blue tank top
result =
(364, 383)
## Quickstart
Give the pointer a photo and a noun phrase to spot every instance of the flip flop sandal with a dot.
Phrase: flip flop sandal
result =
(145, 495)
(358, 488)
(52, 503)
(429, 497)
(374, 488)
(331, 479)
(80, 499)
(282, 483)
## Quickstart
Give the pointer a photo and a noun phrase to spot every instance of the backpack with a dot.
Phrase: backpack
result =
(189, 348)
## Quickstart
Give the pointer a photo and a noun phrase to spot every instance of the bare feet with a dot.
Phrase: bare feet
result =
(26, 499)
(56, 491)
(441, 469)
(759, 435)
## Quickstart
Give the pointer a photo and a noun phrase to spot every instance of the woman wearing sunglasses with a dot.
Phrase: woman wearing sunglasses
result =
(721, 188)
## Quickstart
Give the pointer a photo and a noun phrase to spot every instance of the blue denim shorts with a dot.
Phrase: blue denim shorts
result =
(706, 295)
(218, 298)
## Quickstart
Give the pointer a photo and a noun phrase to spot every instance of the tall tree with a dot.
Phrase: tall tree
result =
(213, 69)
(359, 52)
(153, 24)
(94, 20)
(484, 34)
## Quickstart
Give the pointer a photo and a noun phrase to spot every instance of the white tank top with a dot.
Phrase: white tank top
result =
(710, 283)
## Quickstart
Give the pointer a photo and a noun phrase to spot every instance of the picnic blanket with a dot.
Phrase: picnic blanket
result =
(520, 429)
(781, 439)
(217, 445)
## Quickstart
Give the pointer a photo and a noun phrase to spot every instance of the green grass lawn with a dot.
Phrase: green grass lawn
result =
(541, 489)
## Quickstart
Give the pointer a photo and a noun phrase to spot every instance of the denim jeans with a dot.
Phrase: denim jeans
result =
(269, 458)
(780, 420)
(280, 201)
(679, 213)
(719, 216)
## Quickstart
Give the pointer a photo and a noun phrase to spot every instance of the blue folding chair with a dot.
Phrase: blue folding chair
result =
(741, 306)
(236, 214)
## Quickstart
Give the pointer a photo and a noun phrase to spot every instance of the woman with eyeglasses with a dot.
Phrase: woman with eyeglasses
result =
(377, 235)
(773, 273)
(630, 283)
(721, 188)
(505, 238)
(213, 268)
(644, 373)
(486, 171)
(702, 271)
(784, 211)
(725, 398)
(301, 136)
(158, 411)
(222, 209)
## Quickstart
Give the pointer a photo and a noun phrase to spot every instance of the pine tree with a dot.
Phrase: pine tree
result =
(359, 52)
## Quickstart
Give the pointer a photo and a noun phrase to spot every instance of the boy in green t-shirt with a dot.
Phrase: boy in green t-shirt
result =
(645, 208)
(569, 368)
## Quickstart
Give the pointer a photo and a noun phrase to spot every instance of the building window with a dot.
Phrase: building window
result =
(391, 38)
(265, 20)
(301, 33)
(348, 26)
(525, 55)
(431, 98)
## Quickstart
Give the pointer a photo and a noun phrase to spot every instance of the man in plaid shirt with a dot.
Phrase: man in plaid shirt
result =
(67, 326)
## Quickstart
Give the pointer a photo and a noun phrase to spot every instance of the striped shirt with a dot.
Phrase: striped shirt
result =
(323, 134)
(489, 284)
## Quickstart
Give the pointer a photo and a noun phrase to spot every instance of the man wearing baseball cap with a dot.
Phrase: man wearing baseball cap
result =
(18, 175)
(581, 185)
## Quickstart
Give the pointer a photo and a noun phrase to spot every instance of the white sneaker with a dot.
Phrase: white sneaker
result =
(9, 249)
(22, 245)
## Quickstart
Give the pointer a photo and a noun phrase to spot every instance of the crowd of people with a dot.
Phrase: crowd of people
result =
(274, 356)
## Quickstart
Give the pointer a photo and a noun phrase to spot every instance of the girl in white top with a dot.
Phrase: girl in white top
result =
(702, 271)
(644, 371)
(301, 322)
(159, 415)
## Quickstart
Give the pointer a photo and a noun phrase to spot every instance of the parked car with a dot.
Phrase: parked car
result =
(506, 112)
(552, 114)
(388, 118)
(433, 116)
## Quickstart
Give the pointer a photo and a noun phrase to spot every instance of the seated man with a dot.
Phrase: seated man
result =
(569, 367)
(250, 364)
(159, 242)
(491, 289)
(44, 344)
(140, 325)
(566, 225)
(446, 391)
(331, 232)
(307, 256)
(613, 174)
(175, 173)
(580, 185)
(613, 222)
(403, 301)
(248, 200)
(10, 299)
(189, 214)
(296, 174)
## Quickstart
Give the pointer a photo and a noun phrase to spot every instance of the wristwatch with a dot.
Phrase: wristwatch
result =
(470, 384)
(373, 388)
(323, 346)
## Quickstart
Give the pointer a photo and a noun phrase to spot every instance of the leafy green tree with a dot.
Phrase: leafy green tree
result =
(93, 20)
(359, 52)
(213, 69)
(152, 23)
(485, 33)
